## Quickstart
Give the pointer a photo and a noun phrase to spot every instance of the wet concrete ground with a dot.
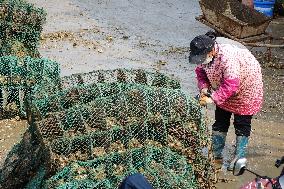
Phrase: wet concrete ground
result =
(130, 34)
(88, 35)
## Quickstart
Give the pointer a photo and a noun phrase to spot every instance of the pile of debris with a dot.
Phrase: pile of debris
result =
(21, 26)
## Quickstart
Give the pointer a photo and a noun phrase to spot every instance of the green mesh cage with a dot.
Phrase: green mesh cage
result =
(83, 88)
(142, 100)
(162, 167)
(18, 76)
(91, 130)
(131, 76)
(87, 121)
(90, 120)
(20, 26)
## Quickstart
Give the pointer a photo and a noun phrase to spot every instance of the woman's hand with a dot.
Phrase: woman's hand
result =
(205, 100)
(205, 92)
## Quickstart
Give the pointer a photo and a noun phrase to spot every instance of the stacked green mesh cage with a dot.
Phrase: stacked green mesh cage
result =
(20, 26)
(163, 168)
(99, 114)
(92, 130)
(131, 76)
(19, 76)
(102, 117)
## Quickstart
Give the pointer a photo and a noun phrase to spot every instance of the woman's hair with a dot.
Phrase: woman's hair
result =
(212, 34)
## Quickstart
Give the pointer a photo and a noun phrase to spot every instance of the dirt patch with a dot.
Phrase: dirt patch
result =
(273, 105)
(11, 132)
(76, 38)
(22, 161)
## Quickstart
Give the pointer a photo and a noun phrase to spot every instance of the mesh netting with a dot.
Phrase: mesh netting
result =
(91, 130)
(162, 167)
(120, 94)
(21, 26)
(123, 76)
(83, 88)
(91, 120)
(20, 75)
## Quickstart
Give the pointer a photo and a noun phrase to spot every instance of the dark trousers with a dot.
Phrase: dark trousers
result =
(135, 181)
(242, 123)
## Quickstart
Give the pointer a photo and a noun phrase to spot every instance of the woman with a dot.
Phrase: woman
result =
(229, 76)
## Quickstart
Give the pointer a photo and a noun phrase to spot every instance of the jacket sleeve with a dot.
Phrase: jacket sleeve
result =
(202, 79)
(230, 82)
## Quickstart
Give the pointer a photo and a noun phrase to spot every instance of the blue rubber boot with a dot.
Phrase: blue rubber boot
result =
(218, 144)
(241, 150)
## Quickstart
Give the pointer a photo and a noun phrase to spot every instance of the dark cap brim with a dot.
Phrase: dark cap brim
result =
(197, 59)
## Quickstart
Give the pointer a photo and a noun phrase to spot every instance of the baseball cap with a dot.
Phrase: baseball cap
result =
(200, 46)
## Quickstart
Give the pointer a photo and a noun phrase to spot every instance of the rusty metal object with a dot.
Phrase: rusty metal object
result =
(229, 21)
(248, 41)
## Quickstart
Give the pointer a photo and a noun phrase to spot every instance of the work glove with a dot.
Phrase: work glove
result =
(205, 100)
(205, 91)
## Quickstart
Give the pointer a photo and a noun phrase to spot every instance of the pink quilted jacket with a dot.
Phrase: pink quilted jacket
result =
(235, 79)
